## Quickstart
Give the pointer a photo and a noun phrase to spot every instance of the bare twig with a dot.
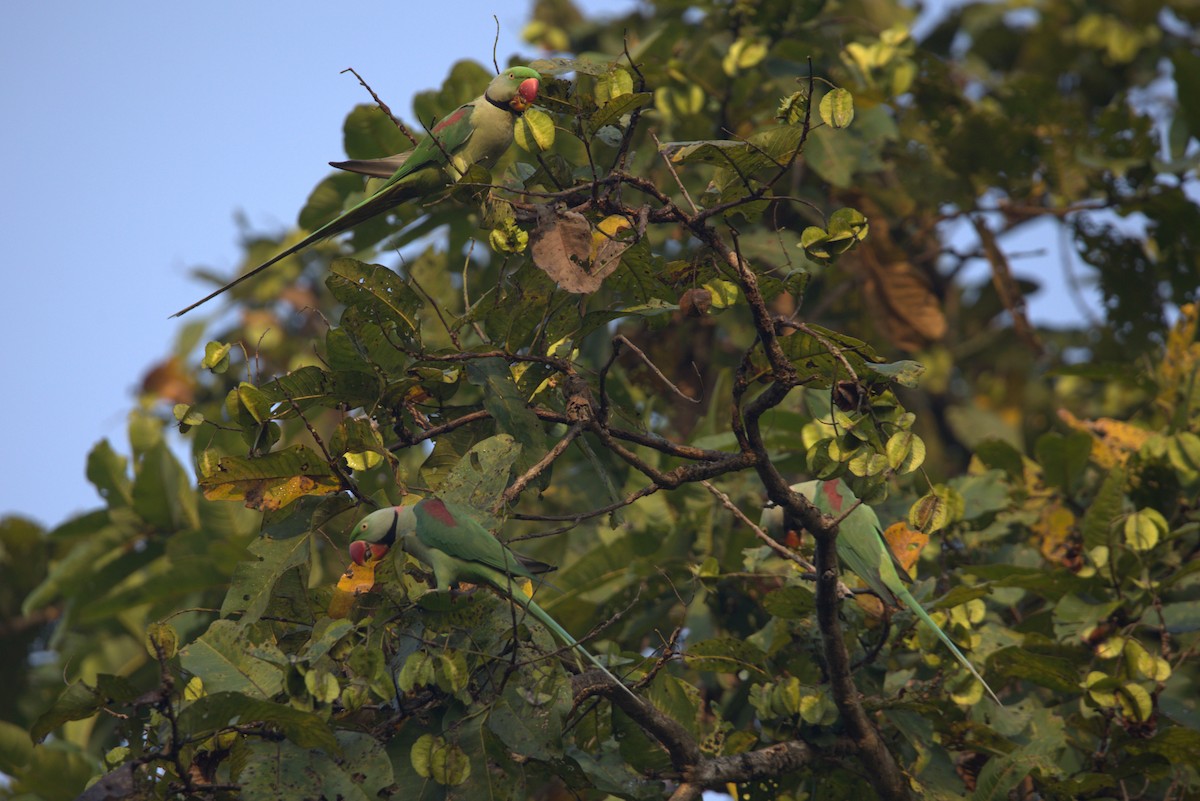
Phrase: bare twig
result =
(778, 547)
(671, 168)
(495, 43)
(522, 481)
(1006, 286)
(383, 106)
(620, 340)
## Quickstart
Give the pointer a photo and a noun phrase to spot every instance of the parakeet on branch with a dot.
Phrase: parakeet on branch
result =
(478, 132)
(861, 545)
(457, 548)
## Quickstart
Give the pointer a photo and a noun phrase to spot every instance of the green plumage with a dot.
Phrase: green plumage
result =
(478, 132)
(861, 545)
(446, 537)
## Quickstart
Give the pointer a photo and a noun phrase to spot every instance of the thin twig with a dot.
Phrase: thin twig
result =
(522, 481)
(620, 340)
(495, 43)
(777, 547)
(1006, 287)
(383, 106)
(437, 309)
(671, 168)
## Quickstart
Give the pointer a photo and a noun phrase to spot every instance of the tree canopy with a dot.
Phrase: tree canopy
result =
(723, 258)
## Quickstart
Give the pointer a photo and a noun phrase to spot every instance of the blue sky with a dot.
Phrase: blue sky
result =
(134, 133)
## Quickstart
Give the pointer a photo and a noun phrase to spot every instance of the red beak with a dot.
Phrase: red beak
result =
(526, 94)
(361, 551)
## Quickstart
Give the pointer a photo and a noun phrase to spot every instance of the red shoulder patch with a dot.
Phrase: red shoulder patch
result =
(830, 488)
(457, 116)
(438, 511)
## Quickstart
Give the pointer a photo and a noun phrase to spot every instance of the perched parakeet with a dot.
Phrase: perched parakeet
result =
(478, 132)
(861, 546)
(446, 537)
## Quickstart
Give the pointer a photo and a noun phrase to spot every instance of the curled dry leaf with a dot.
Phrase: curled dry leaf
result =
(564, 247)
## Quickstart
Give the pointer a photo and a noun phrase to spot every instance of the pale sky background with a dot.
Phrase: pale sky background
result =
(134, 132)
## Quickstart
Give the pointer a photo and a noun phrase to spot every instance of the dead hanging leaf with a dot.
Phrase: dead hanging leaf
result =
(871, 606)
(901, 300)
(899, 296)
(564, 247)
(357, 580)
(267, 482)
(906, 544)
(1113, 441)
(170, 382)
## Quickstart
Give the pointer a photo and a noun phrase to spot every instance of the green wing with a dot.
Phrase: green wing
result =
(451, 135)
(450, 529)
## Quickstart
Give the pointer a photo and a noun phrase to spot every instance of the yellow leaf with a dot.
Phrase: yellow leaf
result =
(357, 580)
(1112, 440)
(267, 482)
(1055, 528)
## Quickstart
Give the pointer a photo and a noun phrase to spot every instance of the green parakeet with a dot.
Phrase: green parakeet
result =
(478, 132)
(861, 545)
(446, 537)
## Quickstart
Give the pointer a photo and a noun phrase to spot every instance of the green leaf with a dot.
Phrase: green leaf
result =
(162, 493)
(1063, 459)
(906, 373)
(509, 408)
(839, 155)
(726, 655)
(1101, 515)
(534, 132)
(283, 769)
(481, 476)
(218, 710)
(1144, 528)
(529, 716)
(1024, 664)
(107, 470)
(444, 762)
(16, 748)
(1180, 617)
(380, 295)
(223, 659)
(368, 133)
(216, 357)
(837, 108)
(1180, 746)
(790, 603)
(612, 111)
(1001, 455)
(254, 579)
(80, 701)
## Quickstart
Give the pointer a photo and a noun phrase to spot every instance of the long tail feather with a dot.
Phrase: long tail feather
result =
(907, 599)
(377, 203)
(531, 606)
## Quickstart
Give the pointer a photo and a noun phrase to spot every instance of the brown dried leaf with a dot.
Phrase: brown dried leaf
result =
(169, 381)
(562, 247)
(902, 301)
